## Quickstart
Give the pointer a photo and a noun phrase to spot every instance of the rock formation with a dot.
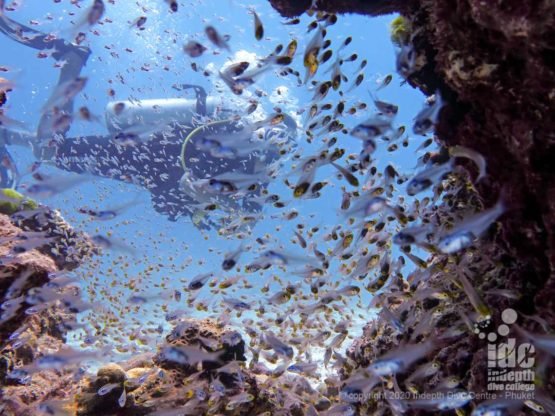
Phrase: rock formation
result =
(26, 335)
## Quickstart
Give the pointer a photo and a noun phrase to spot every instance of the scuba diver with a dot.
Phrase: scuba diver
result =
(188, 160)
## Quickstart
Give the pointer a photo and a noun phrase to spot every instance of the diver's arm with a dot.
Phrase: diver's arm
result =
(38, 40)
(12, 138)
(74, 59)
(72, 56)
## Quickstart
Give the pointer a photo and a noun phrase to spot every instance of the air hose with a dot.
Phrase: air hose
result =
(197, 132)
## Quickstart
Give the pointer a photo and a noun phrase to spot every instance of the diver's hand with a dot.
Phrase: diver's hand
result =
(70, 52)
(202, 226)
(202, 222)
(3, 137)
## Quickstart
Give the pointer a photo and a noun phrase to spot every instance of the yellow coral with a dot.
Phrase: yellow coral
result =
(12, 201)
(400, 30)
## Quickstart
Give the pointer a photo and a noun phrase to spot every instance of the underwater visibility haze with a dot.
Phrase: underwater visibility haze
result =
(273, 208)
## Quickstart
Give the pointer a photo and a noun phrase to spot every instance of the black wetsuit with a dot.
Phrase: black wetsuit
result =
(154, 165)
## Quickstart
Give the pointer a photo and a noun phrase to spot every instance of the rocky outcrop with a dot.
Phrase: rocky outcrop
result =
(495, 62)
(26, 334)
(153, 382)
(68, 247)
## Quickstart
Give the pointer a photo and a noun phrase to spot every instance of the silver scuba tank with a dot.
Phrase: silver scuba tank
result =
(121, 115)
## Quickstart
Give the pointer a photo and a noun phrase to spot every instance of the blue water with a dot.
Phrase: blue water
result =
(168, 254)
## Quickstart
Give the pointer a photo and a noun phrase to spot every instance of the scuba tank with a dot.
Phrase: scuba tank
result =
(121, 115)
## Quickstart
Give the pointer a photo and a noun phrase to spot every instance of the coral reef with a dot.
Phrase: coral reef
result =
(500, 78)
(152, 382)
(228, 387)
(68, 247)
(26, 335)
(12, 201)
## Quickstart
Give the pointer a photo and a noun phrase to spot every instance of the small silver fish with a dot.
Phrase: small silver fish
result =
(425, 370)
(279, 298)
(24, 242)
(258, 27)
(107, 388)
(384, 82)
(387, 109)
(233, 401)
(96, 11)
(188, 355)
(367, 205)
(405, 62)
(349, 177)
(300, 238)
(477, 158)
(63, 358)
(392, 319)
(230, 260)
(544, 342)
(412, 235)
(173, 5)
(308, 369)
(55, 407)
(428, 177)
(468, 230)
(427, 118)
(111, 244)
(448, 400)
(357, 82)
(340, 410)
(372, 128)
(108, 214)
(64, 93)
(139, 22)
(122, 398)
(199, 281)
(237, 304)
(14, 125)
(283, 258)
(16, 288)
(277, 345)
(497, 407)
(400, 359)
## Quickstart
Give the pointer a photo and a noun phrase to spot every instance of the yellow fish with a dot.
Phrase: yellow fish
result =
(292, 48)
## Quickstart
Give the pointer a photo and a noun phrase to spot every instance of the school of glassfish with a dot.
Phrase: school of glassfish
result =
(395, 233)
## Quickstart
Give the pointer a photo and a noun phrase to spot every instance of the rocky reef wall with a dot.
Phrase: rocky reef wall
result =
(35, 245)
